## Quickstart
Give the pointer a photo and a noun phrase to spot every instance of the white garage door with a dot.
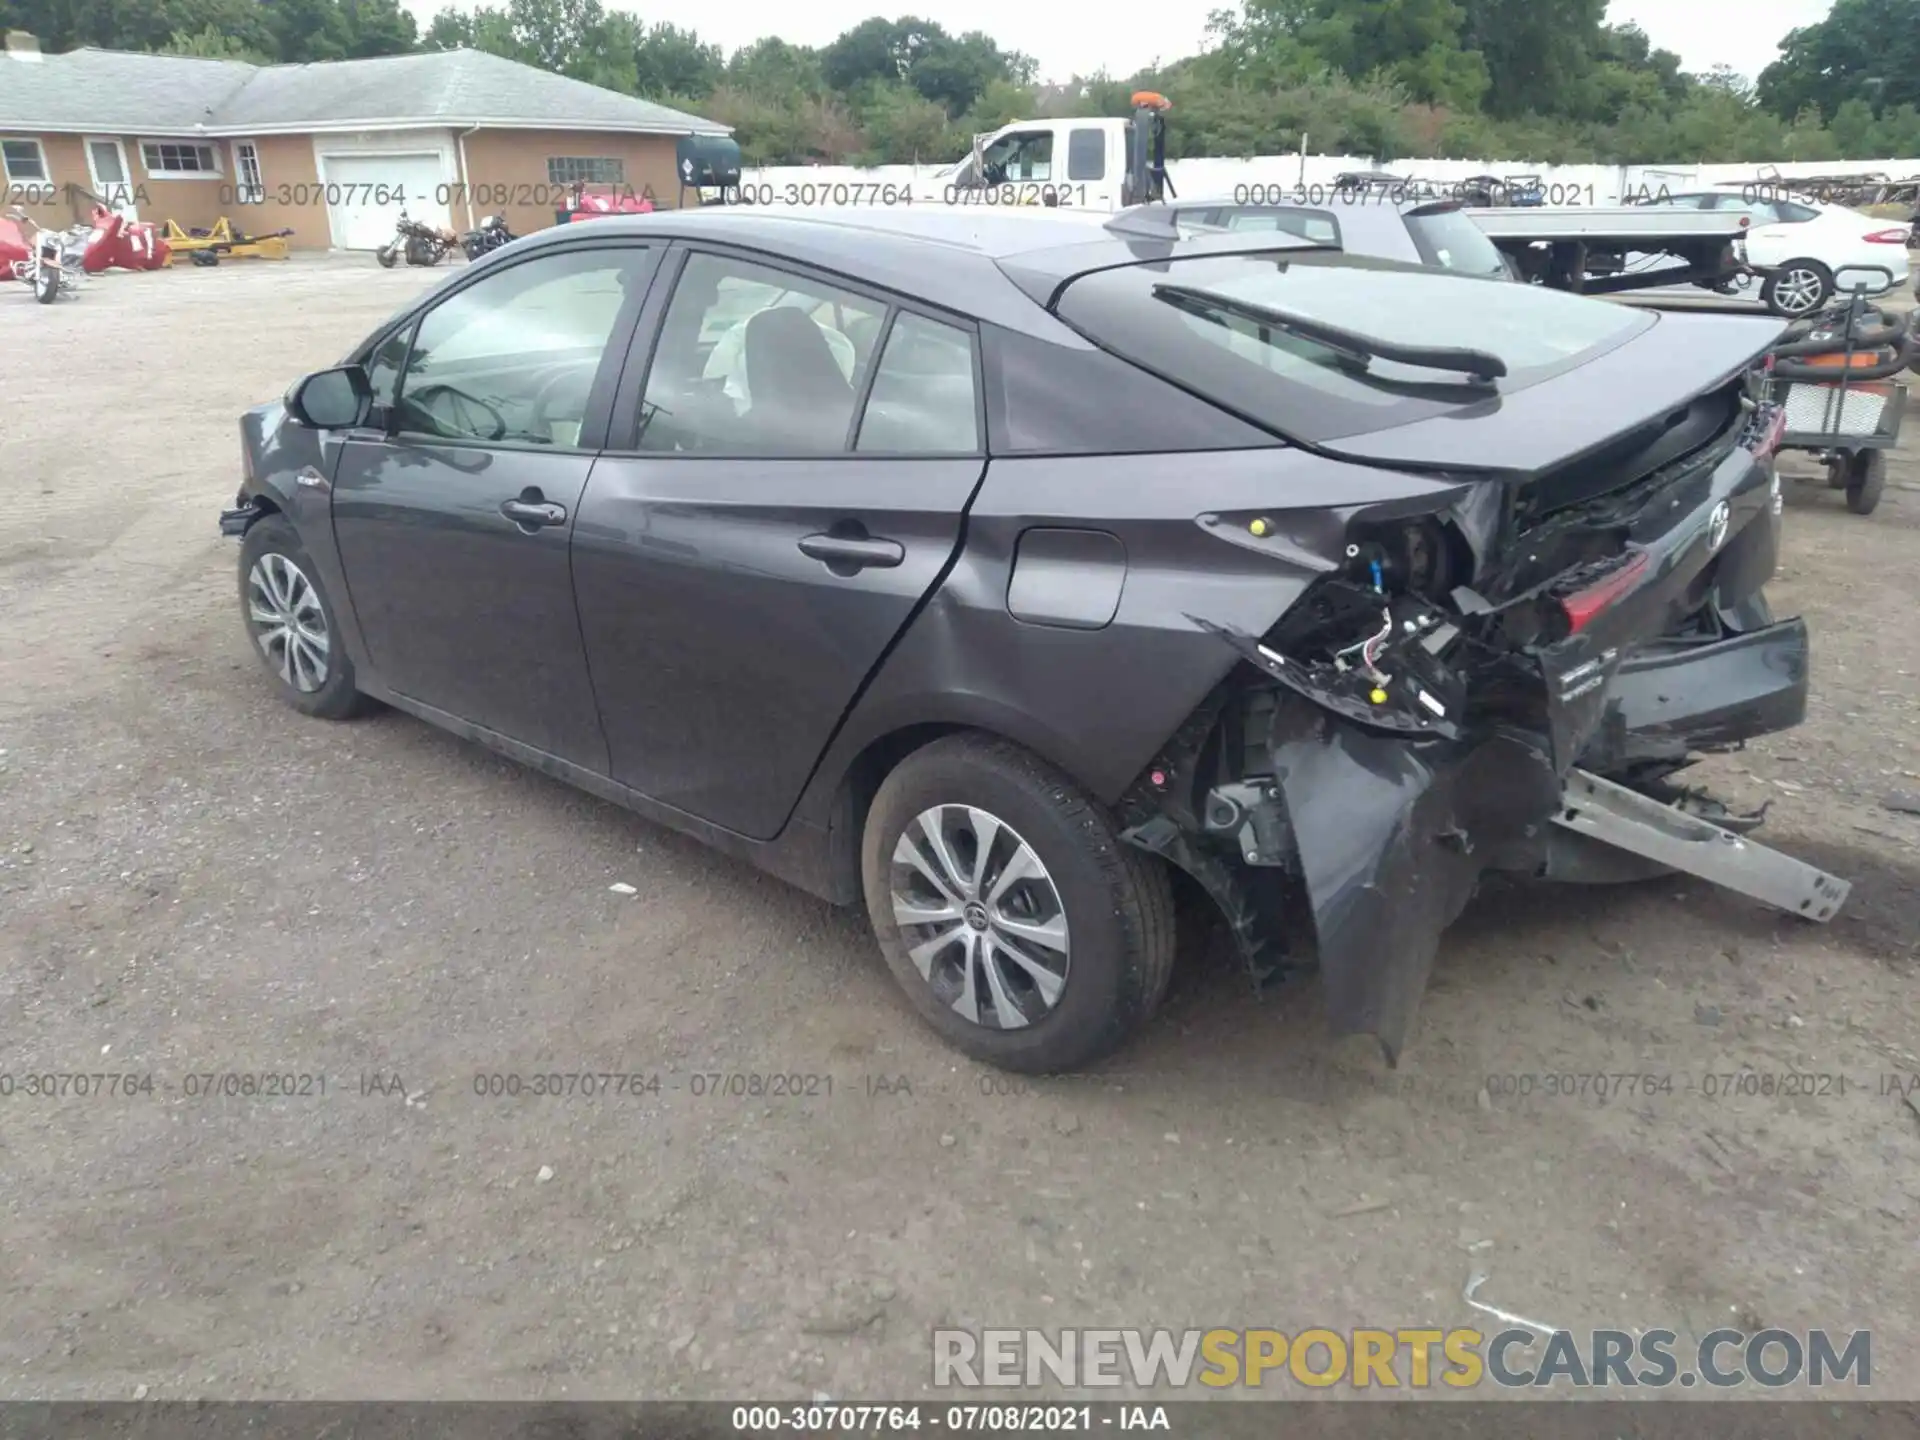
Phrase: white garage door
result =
(362, 191)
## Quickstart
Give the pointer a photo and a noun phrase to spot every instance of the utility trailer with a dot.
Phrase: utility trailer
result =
(1584, 250)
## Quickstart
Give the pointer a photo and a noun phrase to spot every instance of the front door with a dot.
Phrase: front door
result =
(112, 181)
(745, 563)
(454, 517)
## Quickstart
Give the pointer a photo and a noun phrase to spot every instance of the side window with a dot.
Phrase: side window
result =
(1022, 156)
(924, 401)
(1793, 214)
(753, 360)
(512, 359)
(1086, 154)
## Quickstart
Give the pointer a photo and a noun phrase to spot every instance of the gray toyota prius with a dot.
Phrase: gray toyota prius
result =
(998, 571)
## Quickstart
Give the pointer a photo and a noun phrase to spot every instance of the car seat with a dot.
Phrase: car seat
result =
(800, 400)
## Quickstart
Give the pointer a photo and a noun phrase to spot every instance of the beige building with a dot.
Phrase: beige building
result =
(330, 151)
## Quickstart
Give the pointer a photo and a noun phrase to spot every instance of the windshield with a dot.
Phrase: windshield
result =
(1450, 240)
(1311, 391)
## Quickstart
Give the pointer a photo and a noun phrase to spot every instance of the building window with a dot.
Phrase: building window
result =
(24, 160)
(178, 158)
(579, 170)
(246, 164)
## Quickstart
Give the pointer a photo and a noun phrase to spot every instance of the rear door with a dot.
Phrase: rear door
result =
(789, 463)
(453, 519)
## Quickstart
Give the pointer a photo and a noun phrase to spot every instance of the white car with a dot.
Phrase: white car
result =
(1805, 250)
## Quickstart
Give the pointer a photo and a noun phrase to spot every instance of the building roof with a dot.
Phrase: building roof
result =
(117, 92)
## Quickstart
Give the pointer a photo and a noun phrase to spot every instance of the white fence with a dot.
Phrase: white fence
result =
(1220, 178)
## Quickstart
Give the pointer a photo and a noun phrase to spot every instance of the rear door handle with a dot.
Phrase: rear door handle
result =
(533, 514)
(847, 553)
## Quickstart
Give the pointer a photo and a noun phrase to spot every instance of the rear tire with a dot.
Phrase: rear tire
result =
(1798, 289)
(1106, 907)
(290, 618)
(1866, 479)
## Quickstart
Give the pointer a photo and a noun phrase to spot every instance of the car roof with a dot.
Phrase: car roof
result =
(1334, 201)
(974, 260)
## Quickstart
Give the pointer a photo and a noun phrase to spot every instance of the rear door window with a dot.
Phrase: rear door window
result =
(753, 360)
(924, 400)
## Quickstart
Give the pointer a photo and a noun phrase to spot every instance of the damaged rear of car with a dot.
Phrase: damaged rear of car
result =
(1505, 666)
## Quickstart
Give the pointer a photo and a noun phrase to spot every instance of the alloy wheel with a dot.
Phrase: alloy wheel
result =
(288, 622)
(1799, 291)
(981, 917)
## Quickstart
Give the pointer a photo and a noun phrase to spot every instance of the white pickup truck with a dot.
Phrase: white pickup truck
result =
(1082, 164)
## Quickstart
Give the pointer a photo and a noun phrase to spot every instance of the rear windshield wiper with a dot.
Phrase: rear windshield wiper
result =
(1480, 364)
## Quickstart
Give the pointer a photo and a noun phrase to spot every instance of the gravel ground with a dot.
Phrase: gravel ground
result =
(193, 880)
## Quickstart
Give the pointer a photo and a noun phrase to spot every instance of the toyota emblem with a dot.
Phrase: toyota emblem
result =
(1717, 526)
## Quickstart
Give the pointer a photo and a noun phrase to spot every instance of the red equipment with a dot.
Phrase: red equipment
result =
(14, 248)
(590, 204)
(133, 246)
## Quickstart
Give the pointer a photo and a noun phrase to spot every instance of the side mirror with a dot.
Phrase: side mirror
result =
(332, 399)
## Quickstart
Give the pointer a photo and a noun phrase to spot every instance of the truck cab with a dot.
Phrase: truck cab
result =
(1077, 163)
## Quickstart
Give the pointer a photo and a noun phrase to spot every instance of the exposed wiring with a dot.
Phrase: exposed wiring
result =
(1370, 647)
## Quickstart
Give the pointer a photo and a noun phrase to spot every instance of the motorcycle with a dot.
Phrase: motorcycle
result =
(489, 235)
(53, 262)
(418, 241)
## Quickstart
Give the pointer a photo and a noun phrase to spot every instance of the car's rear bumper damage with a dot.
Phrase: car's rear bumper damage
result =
(1384, 748)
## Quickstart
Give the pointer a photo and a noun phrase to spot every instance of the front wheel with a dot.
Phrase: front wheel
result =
(46, 285)
(386, 255)
(291, 621)
(1019, 923)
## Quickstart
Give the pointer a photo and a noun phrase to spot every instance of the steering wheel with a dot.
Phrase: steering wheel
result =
(544, 396)
(461, 408)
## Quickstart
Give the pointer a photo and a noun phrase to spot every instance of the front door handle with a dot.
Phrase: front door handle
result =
(531, 515)
(844, 554)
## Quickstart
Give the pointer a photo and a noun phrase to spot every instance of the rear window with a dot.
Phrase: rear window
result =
(1449, 240)
(1309, 391)
(1316, 225)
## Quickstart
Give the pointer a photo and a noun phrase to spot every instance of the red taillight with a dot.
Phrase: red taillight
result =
(1583, 605)
(1889, 237)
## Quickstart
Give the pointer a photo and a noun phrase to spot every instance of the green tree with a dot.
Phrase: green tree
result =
(775, 68)
(1864, 49)
(378, 27)
(305, 30)
(213, 44)
(672, 61)
(1536, 51)
(903, 127)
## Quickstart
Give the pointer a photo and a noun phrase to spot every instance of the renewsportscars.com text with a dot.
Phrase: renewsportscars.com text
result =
(1413, 1359)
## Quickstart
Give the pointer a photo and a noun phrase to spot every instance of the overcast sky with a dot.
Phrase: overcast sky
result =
(1127, 36)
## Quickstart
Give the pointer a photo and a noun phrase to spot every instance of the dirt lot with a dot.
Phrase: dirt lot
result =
(194, 880)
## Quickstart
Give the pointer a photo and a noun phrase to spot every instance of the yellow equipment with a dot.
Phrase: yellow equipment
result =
(222, 240)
